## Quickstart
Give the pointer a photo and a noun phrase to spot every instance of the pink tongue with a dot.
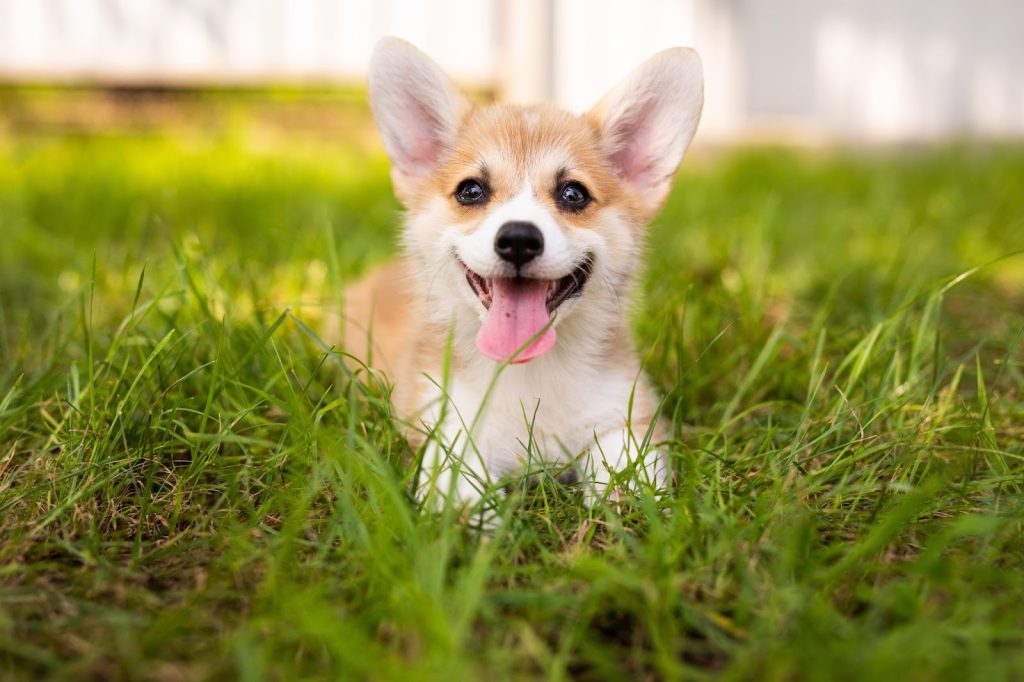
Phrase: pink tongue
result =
(518, 313)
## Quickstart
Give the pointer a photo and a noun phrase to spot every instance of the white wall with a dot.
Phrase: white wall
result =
(882, 69)
(877, 70)
(190, 41)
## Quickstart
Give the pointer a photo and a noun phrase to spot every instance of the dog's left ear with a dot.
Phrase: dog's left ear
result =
(648, 120)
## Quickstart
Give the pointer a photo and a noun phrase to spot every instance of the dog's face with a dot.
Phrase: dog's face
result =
(521, 223)
(523, 218)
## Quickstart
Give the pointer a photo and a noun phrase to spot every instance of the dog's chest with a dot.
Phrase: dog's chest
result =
(537, 411)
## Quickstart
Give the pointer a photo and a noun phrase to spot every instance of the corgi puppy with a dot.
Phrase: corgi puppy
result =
(504, 326)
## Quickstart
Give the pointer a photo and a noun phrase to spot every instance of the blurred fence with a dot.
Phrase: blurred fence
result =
(876, 70)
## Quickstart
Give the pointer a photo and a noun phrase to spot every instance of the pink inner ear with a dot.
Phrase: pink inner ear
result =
(422, 145)
(635, 156)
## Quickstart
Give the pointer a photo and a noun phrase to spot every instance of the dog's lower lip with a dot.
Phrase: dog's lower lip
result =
(480, 286)
(559, 290)
(570, 285)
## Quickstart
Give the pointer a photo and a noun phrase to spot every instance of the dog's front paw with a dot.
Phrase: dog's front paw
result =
(447, 482)
(617, 466)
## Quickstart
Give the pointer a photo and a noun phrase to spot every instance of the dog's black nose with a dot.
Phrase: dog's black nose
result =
(519, 242)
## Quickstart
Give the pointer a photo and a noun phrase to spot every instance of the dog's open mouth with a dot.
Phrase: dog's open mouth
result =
(558, 290)
(518, 326)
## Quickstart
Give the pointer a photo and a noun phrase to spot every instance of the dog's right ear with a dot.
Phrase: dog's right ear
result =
(417, 108)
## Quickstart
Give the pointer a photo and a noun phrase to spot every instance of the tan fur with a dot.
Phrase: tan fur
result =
(378, 320)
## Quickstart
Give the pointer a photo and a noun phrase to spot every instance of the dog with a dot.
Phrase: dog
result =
(503, 328)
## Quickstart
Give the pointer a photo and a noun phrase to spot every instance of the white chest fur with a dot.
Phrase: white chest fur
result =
(493, 421)
(553, 411)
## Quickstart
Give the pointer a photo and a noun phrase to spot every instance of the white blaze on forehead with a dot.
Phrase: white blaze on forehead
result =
(477, 249)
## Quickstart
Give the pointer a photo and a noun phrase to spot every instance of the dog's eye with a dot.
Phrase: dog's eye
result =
(573, 196)
(470, 192)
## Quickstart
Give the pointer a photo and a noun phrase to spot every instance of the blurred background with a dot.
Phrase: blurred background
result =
(794, 70)
(234, 136)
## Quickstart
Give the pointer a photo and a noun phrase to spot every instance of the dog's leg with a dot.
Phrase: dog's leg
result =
(445, 474)
(452, 470)
(615, 451)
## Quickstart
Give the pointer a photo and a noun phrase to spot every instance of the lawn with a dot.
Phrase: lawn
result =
(192, 487)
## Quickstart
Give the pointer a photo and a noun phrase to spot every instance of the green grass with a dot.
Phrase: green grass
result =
(191, 489)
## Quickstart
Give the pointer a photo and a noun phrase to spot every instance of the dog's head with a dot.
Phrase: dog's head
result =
(524, 219)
